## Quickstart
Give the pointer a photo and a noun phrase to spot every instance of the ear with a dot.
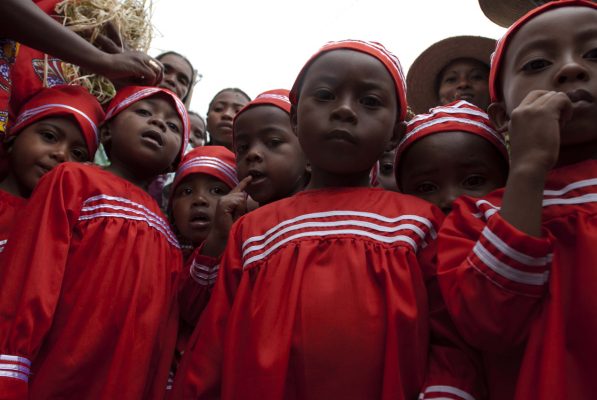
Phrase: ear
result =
(498, 116)
(397, 135)
(105, 135)
(293, 120)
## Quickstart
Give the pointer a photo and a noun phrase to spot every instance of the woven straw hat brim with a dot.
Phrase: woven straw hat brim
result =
(423, 72)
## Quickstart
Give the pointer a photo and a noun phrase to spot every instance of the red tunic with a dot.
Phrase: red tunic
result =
(10, 206)
(89, 296)
(321, 295)
(505, 288)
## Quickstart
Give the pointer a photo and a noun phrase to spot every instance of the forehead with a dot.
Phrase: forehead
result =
(196, 121)
(62, 122)
(449, 149)
(564, 22)
(465, 63)
(261, 117)
(335, 64)
(230, 97)
(159, 102)
(177, 62)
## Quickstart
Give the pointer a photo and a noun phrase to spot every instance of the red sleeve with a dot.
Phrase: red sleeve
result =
(200, 371)
(489, 272)
(200, 273)
(33, 265)
(454, 369)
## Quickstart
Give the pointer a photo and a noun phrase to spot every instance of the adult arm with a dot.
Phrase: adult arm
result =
(23, 21)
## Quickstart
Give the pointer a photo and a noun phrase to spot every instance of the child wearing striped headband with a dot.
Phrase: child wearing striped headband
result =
(206, 199)
(469, 158)
(517, 267)
(56, 125)
(267, 149)
(324, 294)
(89, 290)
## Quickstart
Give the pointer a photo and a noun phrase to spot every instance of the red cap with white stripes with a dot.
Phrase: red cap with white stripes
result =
(460, 116)
(132, 94)
(64, 100)
(497, 58)
(216, 161)
(377, 50)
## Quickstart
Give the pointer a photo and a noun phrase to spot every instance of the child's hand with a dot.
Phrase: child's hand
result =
(230, 207)
(535, 127)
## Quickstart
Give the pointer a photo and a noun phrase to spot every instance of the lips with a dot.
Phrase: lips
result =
(44, 168)
(154, 137)
(579, 95)
(257, 175)
(199, 219)
(465, 96)
(340, 135)
(227, 126)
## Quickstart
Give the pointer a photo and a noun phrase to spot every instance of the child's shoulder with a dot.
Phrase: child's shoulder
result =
(368, 203)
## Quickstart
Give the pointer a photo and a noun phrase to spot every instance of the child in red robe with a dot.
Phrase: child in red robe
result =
(88, 297)
(463, 154)
(56, 125)
(325, 294)
(267, 149)
(517, 267)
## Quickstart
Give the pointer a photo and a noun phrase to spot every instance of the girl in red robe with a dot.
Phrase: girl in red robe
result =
(88, 297)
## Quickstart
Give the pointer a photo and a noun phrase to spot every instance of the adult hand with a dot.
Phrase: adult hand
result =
(129, 68)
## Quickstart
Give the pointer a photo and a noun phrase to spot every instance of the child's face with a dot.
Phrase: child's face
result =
(220, 115)
(386, 177)
(146, 137)
(465, 79)
(177, 75)
(194, 205)
(440, 168)
(267, 149)
(346, 115)
(43, 145)
(197, 137)
(556, 51)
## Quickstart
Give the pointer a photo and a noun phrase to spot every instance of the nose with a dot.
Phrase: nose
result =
(463, 82)
(60, 154)
(200, 199)
(228, 113)
(255, 154)
(447, 198)
(344, 112)
(571, 71)
(159, 122)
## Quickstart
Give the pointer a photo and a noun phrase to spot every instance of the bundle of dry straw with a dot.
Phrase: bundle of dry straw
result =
(130, 18)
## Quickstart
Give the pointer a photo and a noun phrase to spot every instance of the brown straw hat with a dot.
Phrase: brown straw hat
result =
(505, 12)
(422, 75)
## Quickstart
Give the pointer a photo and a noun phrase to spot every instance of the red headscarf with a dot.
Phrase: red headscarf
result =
(498, 56)
(216, 161)
(459, 116)
(132, 94)
(70, 100)
(377, 50)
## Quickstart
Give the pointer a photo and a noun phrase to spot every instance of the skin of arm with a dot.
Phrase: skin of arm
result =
(229, 209)
(535, 140)
(26, 23)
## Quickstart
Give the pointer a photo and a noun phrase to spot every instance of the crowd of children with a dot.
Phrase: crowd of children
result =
(363, 235)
